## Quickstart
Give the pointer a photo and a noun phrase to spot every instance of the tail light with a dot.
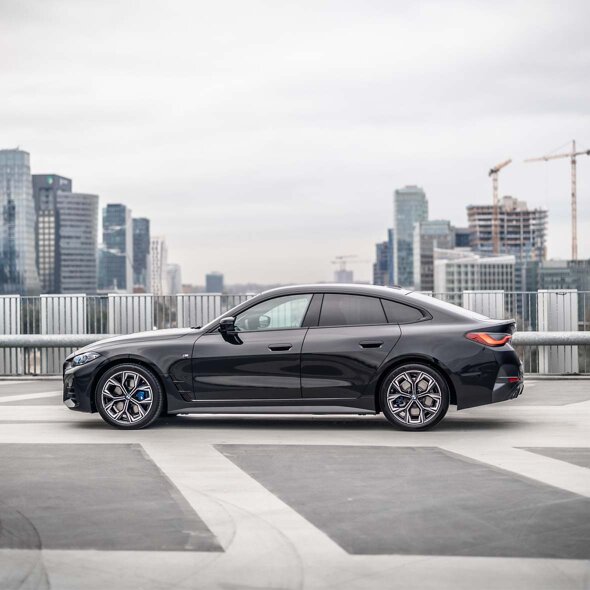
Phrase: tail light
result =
(489, 338)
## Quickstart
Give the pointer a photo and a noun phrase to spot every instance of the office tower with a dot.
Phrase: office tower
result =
(409, 207)
(214, 282)
(141, 253)
(381, 264)
(45, 190)
(76, 243)
(456, 271)
(462, 237)
(174, 276)
(522, 233)
(116, 259)
(18, 268)
(429, 235)
(158, 266)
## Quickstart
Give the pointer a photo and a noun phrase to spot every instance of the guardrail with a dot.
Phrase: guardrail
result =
(541, 352)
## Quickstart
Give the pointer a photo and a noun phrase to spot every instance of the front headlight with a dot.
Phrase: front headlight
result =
(85, 357)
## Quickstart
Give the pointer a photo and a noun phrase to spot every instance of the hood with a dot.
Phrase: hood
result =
(152, 335)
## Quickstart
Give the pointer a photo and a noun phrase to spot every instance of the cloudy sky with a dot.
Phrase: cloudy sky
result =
(263, 138)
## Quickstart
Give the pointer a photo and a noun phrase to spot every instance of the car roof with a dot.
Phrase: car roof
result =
(352, 288)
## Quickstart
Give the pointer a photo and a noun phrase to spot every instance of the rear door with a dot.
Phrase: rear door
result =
(342, 353)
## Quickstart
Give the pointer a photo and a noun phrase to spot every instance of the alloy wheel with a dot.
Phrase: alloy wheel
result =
(127, 397)
(414, 398)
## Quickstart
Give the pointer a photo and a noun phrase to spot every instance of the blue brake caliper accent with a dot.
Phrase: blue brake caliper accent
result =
(140, 396)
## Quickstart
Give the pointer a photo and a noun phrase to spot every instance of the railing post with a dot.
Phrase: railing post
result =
(558, 311)
(11, 360)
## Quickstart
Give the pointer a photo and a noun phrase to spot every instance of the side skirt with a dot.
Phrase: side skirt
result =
(260, 409)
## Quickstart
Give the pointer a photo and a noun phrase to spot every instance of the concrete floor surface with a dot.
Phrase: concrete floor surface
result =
(496, 497)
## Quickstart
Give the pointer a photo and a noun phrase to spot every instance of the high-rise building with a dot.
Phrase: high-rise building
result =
(457, 270)
(158, 266)
(76, 243)
(410, 206)
(381, 264)
(429, 235)
(141, 253)
(522, 233)
(174, 279)
(116, 258)
(214, 282)
(559, 274)
(18, 268)
(462, 237)
(45, 190)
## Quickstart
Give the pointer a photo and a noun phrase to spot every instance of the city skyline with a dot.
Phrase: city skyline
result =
(186, 115)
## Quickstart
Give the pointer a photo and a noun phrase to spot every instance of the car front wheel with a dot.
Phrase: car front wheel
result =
(414, 397)
(129, 396)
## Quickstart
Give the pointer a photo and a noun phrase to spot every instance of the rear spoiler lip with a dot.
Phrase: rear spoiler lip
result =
(505, 326)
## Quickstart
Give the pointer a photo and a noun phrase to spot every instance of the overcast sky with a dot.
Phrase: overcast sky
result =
(263, 138)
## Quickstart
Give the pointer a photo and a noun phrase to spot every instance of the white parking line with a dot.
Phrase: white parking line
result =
(23, 396)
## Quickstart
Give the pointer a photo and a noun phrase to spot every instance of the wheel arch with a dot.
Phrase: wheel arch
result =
(414, 358)
(127, 360)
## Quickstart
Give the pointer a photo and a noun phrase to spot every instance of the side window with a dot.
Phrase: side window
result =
(274, 314)
(398, 313)
(351, 310)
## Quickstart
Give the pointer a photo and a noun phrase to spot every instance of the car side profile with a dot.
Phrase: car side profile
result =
(317, 349)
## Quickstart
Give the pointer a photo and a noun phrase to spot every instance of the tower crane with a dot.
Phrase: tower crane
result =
(495, 212)
(574, 199)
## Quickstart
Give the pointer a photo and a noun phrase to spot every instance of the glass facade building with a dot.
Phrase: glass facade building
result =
(429, 235)
(18, 267)
(116, 258)
(214, 282)
(45, 190)
(141, 253)
(410, 206)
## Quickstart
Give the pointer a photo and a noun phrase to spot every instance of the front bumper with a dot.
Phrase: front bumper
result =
(77, 384)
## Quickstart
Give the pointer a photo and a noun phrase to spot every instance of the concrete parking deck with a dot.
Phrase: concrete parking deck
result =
(495, 497)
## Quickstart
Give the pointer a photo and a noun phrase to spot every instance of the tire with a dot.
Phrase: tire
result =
(129, 396)
(414, 397)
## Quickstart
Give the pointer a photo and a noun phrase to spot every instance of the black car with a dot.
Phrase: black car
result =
(313, 349)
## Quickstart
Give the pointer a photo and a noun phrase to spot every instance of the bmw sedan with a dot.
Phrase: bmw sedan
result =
(310, 349)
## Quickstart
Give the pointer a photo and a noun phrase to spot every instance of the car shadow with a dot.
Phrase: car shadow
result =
(452, 423)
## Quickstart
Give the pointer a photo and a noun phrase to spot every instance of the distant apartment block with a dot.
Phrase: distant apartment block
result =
(18, 267)
(45, 190)
(429, 235)
(141, 253)
(158, 284)
(116, 259)
(214, 282)
(456, 271)
(410, 206)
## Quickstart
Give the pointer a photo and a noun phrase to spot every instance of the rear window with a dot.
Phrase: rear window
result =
(446, 306)
(398, 313)
(351, 310)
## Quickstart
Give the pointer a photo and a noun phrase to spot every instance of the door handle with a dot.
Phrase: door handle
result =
(278, 347)
(371, 343)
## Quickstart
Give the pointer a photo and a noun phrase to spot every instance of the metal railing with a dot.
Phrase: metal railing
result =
(59, 324)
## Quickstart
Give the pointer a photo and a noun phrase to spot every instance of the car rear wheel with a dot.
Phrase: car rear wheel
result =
(129, 396)
(414, 397)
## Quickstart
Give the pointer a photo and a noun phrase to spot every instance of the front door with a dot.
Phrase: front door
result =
(343, 353)
(261, 361)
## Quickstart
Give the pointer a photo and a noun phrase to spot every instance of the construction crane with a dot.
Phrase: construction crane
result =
(495, 212)
(574, 199)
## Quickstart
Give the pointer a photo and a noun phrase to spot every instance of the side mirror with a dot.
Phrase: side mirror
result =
(227, 325)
